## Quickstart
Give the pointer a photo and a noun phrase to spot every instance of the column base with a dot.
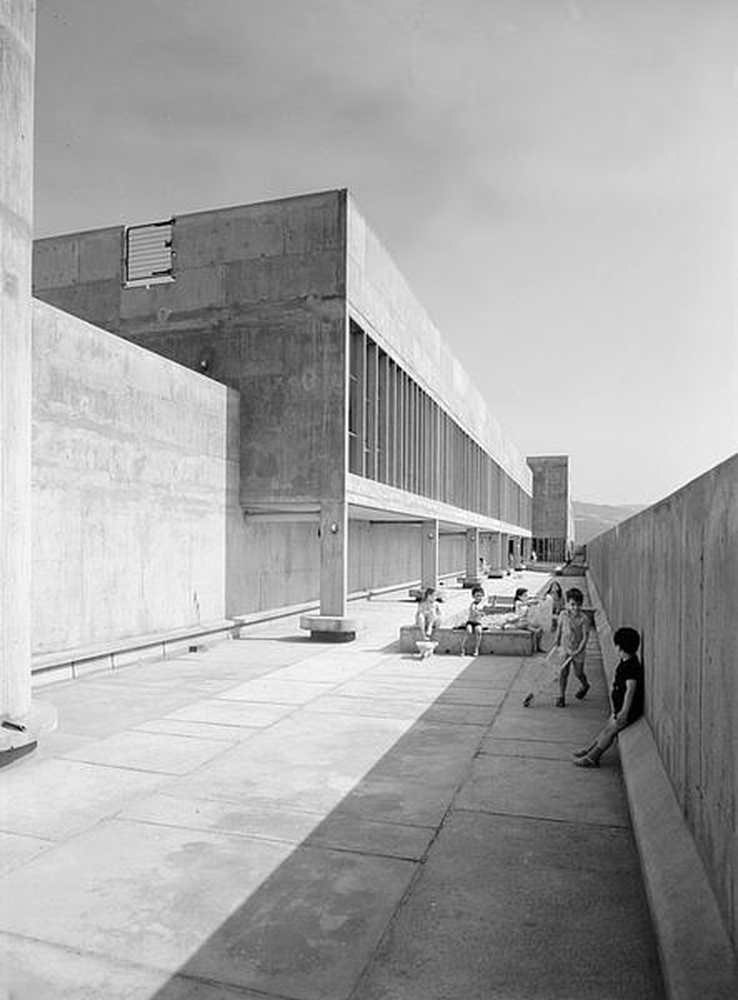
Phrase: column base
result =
(330, 628)
(467, 582)
(16, 742)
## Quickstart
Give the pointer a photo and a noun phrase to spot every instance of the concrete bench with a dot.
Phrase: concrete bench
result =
(503, 642)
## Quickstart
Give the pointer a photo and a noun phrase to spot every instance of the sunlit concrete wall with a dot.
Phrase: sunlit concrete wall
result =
(672, 572)
(134, 471)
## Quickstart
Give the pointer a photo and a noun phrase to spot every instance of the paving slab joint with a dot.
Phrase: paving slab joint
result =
(697, 955)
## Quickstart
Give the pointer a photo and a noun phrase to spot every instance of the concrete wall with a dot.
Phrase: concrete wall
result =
(383, 554)
(386, 309)
(672, 572)
(258, 304)
(132, 460)
(552, 516)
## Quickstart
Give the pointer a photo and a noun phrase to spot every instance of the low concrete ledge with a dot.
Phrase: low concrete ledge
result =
(19, 737)
(330, 628)
(503, 642)
(47, 668)
(697, 956)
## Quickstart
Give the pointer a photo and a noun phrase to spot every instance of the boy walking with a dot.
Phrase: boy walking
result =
(626, 698)
(572, 633)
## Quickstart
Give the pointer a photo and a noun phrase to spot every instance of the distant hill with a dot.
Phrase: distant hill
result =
(592, 519)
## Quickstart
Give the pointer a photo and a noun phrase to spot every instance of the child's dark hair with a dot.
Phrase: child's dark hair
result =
(428, 592)
(627, 639)
(520, 593)
(575, 594)
(477, 590)
(555, 585)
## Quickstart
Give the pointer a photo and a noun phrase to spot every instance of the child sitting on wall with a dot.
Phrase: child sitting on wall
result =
(428, 615)
(626, 698)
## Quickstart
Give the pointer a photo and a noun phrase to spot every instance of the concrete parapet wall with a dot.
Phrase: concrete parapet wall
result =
(132, 460)
(672, 572)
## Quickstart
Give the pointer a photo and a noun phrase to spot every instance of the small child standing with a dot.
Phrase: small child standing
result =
(474, 619)
(572, 633)
(427, 616)
(626, 698)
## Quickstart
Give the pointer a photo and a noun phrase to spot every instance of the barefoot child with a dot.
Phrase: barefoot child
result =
(572, 633)
(474, 617)
(626, 698)
(427, 616)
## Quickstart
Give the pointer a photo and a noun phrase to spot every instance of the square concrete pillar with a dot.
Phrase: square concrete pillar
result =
(496, 564)
(472, 575)
(332, 624)
(429, 554)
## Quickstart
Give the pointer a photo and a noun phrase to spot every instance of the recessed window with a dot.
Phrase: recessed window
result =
(149, 255)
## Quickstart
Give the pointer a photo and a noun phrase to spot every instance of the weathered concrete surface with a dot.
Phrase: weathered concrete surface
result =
(17, 33)
(552, 522)
(133, 468)
(375, 837)
(389, 312)
(672, 573)
(697, 955)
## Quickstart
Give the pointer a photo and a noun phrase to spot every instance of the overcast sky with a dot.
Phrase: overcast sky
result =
(553, 178)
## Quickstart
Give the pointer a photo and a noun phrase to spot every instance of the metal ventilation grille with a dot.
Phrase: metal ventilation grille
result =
(149, 253)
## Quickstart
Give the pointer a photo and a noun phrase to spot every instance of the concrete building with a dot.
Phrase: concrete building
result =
(364, 455)
(552, 518)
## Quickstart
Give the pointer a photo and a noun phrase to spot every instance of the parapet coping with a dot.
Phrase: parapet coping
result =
(697, 956)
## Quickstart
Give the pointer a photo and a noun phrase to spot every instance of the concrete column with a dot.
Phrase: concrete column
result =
(333, 558)
(495, 554)
(429, 554)
(16, 178)
(504, 545)
(332, 624)
(472, 576)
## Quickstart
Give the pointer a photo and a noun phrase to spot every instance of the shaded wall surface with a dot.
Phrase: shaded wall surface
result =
(672, 573)
(132, 460)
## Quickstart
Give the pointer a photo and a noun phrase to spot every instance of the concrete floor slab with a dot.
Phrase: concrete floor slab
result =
(369, 836)
(548, 789)
(382, 708)
(96, 708)
(525, 748)
(305, 762)
(277, 692)
(36, 970)
(16, 849)
(461, 715)
(494, 917)
(199, 730)
(575, 725)
(53, 799)
(204, 907)
(222, 712)
(143, 751)
(243, 819)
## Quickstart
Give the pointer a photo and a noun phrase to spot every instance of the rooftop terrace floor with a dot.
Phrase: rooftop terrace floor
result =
(275, 818)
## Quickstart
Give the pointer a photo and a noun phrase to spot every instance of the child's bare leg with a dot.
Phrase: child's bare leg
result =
(582, 678)
(590, 757)
(477, 639)
(563, 681)
(467, 632)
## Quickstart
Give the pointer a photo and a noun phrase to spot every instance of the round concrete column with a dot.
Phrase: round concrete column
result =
(16, 180)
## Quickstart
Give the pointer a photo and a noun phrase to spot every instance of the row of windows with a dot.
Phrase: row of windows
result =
(399, 436)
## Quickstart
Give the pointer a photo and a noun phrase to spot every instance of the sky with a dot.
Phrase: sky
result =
(554, 179)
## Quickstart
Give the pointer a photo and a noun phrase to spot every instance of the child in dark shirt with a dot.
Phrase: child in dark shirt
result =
(626, 698)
